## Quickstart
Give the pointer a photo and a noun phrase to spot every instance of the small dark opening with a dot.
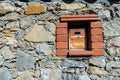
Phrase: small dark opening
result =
(86, 26)
(77, 32)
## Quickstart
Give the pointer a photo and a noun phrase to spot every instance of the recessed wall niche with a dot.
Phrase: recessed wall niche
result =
(79, 35)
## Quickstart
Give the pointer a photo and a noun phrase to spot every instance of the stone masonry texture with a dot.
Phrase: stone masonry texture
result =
(27, 40)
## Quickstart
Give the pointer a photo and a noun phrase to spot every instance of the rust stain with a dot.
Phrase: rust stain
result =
(34, 9)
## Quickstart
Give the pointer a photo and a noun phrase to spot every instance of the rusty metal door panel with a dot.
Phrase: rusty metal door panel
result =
(77, 38)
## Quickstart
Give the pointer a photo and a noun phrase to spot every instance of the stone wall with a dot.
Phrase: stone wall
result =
(27, 42)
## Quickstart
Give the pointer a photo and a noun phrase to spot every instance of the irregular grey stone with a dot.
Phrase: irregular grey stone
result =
(2, 40)
(26, 22)
(12, 25)
(69, 70)
(112, 51)
(106, 78)
(37, 74)
(94, 77)
(118, 52)
(21, 4)
(72, 6)
(20, 34)
(97, 71)
(24, 61)
(43, 49)
(51, 27)
(10, 65)
(111, 28)
(1, 60)
(98, 61)
(36, 35)
(41, 22)
(104, 14)
(6, 53)
(26, 75)
(73, 64)
(115, 72)
(46, 16)
(5, 74)
(115, 41)
(6, 7)
(84, 77)
(47, 64)
(103, 1)
(112, 65)
(65, 12)
(96, 6)
(10, 17)
(20, 10)
(111, 32)
(10, 40)
(51, 74)
(116, 78)
(2, 24)
(87, 11)
(67, 76)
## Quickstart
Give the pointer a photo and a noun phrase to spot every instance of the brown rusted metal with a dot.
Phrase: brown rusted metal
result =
(77, 38)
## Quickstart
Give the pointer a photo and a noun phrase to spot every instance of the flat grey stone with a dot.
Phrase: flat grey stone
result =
(12, 25)
(6, 7)
(112, 65)
(26, 22)
(112, 51)
(43, 49)
(47, 64)
(51, 74)
(97, 71)
(115, 41)
(73, 64)
(116, 78)
(39, 34)
(19, 35)
(84, 77)
(10, 17)
(104, 14)
(72, 6)
(6, 53)
(94, 77)
(24, 61)
(5, 74)
(1, 60)
(67, 76)
(98, 61)
(115, 72)
(26, 75)
(111, 27)
(21, 4)
(51, 27)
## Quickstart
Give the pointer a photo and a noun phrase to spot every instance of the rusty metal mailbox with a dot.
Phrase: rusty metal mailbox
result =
(77, 38)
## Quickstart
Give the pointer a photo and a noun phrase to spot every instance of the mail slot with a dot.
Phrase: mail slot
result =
(77, 38)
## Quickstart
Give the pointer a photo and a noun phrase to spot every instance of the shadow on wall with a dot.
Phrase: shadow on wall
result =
(24, 0)
(47, 0)
(90, 1)
(70, 1)
(113, 1)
